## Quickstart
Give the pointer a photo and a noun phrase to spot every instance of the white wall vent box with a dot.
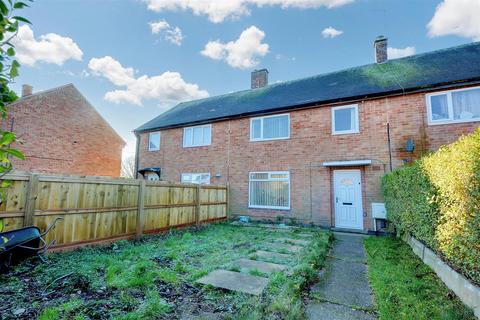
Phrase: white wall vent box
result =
(379, 211)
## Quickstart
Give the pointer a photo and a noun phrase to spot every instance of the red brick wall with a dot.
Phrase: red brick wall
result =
(64, 134)
(311, 143)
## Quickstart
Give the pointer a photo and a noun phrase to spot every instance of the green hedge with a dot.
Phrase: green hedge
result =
(437, 200)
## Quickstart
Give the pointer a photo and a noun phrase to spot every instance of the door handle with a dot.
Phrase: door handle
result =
(336, 199)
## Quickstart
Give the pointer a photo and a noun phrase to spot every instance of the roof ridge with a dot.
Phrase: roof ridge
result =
(43, 92)
(328, 73)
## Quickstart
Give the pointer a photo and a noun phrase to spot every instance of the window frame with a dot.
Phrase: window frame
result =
(192, 128)
(159, 140)
(196, 173)
(357, 119)
(450, 119)
(252, 139)
(250, 206)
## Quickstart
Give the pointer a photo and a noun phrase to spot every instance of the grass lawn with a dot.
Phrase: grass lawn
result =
(406, 288)
(154, 278)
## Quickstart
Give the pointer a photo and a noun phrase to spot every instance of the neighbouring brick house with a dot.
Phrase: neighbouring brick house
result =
(315, 149)
(63, 134)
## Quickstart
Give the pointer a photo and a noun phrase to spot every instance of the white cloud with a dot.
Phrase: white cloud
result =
(456, 17)
(168, 88)
(331, 32)
(50, 48)
(219, 10)
(171, 34)
(395, 53)
(241, 53)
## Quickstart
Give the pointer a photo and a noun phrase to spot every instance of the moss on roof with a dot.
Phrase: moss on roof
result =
(452, 65)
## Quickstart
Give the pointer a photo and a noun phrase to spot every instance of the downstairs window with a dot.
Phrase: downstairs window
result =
(269, 190)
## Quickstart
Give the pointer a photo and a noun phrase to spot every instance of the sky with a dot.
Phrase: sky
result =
(134, 59)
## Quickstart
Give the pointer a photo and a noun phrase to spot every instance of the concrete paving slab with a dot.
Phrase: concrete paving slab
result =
(294, 241)
(330, 311)
(267, 255)
(288, 248)
(262, 266)
(345, 282)
(349, 247)
(235, 281)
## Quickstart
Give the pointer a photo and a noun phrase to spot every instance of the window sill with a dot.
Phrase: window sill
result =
(154, 150)
(345, 132)
(200, 146)
(270, 208)
(273, 139)
(442, 122)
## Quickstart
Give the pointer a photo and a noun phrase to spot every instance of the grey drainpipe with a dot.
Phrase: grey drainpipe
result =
(137, 149)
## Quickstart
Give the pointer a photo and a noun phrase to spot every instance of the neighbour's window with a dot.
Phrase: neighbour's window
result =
(270, 128)
(197, 136)
(345, 119)
(154, 141)
(269, 190)
(454, 106)
(200, 178)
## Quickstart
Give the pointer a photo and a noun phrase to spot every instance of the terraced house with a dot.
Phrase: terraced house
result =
(314, 149)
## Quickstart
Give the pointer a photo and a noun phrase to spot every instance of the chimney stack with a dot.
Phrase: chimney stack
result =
(380, 45)
(259, 78)
(26, 90)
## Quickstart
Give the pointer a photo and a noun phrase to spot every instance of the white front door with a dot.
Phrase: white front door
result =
(347, 186)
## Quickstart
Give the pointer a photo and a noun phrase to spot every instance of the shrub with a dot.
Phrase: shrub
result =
(437, 200)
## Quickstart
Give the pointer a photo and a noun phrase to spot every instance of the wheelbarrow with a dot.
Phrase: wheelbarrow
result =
(20, 244)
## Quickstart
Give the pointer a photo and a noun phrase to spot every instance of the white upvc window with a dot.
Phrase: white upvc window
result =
(345, 119)
(453, 106)
(270, 127)
(154, 141)
(269, 190)
(197, 136)
(200, 178)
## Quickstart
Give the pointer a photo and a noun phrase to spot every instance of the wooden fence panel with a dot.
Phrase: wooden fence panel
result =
(100, 209)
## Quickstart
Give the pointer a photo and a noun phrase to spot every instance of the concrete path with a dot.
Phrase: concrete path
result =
(343, 291)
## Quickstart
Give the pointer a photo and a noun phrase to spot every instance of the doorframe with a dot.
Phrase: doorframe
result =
(333, 213)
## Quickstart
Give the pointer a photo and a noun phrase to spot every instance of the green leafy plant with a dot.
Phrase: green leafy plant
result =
(9, 24)
(437, 200)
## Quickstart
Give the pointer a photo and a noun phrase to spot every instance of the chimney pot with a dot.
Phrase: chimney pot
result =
(27, 90)
(380, 45)
(259, 78)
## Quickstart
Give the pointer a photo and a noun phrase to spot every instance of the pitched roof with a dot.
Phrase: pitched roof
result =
(459, 64)
(68, 87)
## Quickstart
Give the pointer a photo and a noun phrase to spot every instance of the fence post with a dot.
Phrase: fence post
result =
(140, 208)
(197, 204)
(32, 193)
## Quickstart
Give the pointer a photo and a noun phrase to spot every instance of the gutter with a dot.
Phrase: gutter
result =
(316, 104)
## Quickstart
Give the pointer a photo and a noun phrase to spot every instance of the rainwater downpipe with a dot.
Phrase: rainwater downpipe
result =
(389, 147)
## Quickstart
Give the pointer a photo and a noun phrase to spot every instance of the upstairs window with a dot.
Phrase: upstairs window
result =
(199, 178)
(269, 190)
(270, 128)
(197, 136)
(345, 119)
(154, 141)
(454, 106)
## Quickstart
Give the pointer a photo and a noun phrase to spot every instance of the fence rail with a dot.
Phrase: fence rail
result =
(102, 209)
